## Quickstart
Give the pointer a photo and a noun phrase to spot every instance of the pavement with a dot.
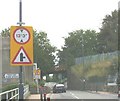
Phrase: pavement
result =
(34, 96)
(37, 96)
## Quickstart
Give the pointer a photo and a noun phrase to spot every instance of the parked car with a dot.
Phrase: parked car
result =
(59, 88)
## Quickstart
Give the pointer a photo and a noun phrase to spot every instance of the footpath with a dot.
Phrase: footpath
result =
(34, 96)
(37, 97)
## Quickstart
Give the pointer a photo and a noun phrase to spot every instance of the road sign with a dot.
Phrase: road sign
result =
(21, 57)
(9, 76)
(21, 45)
(37, 72)
(21, 35)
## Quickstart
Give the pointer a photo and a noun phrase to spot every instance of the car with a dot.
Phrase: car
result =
(59, 88)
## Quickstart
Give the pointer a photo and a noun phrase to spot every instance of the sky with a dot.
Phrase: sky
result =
(56, 17)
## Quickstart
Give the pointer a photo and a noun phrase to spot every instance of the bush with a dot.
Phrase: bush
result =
(9, 87)
(42, 83)
(33, 84)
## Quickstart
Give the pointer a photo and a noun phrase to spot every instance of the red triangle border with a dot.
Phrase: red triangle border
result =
(21, 62)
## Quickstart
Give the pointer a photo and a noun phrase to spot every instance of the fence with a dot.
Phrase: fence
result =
(14, 93)
(96, 58)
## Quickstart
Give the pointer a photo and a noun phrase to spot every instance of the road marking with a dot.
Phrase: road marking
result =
(74, 95)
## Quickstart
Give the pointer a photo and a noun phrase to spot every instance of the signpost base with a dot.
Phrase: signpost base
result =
(21, 86)
(21, 92)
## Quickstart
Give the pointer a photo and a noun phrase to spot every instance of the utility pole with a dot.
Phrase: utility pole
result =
(21, 85)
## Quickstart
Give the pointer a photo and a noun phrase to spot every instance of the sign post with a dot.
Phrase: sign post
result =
(21, 48)
(36, 75)
(21, 86)
(118, 79)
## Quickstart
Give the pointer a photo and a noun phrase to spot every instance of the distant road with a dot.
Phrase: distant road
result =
(71, 95)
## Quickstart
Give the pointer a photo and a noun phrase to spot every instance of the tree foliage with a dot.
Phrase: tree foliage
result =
(5, 32)
(79, 43)
(43, 51)
(108, 36)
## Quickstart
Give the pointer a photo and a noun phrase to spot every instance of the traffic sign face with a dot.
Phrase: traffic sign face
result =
(21, 45)
(21, 57)
(21, 35)
(37, 74)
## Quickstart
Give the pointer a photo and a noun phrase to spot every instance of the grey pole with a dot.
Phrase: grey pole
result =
(118, 80)
(21, 85)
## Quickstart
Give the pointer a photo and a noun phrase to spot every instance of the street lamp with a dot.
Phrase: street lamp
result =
(84, 83)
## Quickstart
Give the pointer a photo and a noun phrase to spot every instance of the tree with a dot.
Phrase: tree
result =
(5, 32)
(43, 51)
(79, 43)
(108, 36)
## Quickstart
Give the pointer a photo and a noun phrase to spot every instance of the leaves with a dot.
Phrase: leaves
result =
(5, 32)
(43, 51)
(79, 43)
(108, 36)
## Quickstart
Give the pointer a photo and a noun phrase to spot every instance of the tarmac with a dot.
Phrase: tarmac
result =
(37, 96)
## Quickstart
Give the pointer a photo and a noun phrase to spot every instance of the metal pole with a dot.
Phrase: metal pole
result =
(21, 86)
(118, 79)
(20, 12)
(41, 87)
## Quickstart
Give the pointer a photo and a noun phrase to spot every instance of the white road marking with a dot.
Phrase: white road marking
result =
(74, 95)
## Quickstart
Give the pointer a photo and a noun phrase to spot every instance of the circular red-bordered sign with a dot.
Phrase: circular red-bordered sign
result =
(21, 35)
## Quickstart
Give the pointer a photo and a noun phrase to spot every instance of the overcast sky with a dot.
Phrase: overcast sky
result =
(57, 17)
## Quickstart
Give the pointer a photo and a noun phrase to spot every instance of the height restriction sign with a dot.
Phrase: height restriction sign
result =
(21, 45)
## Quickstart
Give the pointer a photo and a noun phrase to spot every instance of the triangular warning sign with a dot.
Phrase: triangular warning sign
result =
(21, 57)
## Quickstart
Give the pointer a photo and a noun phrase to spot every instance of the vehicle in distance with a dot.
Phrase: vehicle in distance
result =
(59, 88)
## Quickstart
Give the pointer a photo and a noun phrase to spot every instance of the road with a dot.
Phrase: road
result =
(81, 96)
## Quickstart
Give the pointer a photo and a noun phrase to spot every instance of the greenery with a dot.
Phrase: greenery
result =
(32, 84)
(42, 83)
(43, 51)
(5, 32)
(9, 87)
(108, 36)
(95, 72)
(82, 43)
(79, 43)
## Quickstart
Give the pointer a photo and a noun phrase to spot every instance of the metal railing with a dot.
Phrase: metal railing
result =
(14, 93)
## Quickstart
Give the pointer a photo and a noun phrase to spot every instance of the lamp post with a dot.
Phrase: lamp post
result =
(84, 83)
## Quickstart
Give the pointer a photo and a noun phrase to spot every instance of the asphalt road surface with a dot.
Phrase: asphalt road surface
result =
(82, 96)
